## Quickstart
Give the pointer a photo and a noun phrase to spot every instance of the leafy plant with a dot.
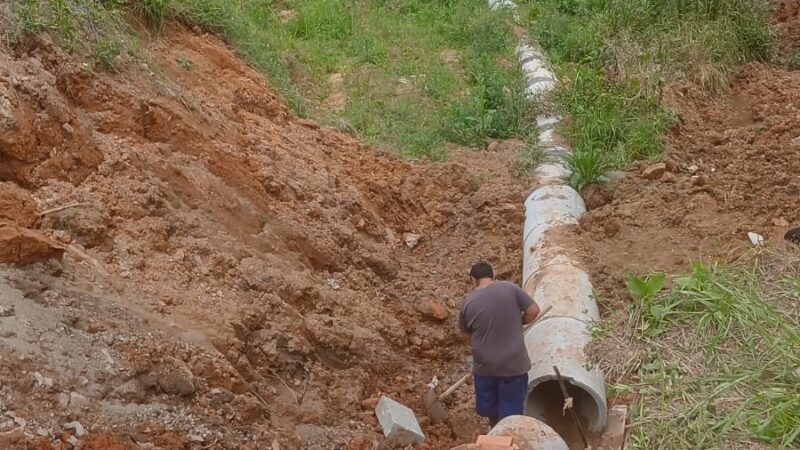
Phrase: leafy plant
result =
(587, 166)
(643, 289)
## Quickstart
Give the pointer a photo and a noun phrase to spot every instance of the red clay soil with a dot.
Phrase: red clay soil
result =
(235, 277)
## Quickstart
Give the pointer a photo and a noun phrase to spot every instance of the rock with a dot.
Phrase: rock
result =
(20, 422)
(493, 146)
(669, 177)
(73, 441)
(615, 176)
(77, 400)
(654, 171)
(398, 422)
(63, 399)
(42, 381)
(412, 239)
(75, 427)
(333, 284)
(780, 222)
(435, 310)
(755, 238)
(6, 424)
(698, 180)
(17, 207)
(177, 382)
(370, 403)
(23, 246)
(6, 311)
(693, 169)
(42, 432)
(416, 340)
(196, 438)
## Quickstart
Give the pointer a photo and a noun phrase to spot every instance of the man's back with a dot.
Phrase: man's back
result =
(493, 315)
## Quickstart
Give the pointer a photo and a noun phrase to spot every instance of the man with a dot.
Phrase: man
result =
(491, 320)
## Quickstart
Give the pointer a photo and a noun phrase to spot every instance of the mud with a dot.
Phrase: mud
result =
(236, 277)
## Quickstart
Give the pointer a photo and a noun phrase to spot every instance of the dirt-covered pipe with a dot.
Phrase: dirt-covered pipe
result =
(529, 433)
(553, 277)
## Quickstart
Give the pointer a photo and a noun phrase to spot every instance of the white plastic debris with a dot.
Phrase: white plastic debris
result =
(755, 238)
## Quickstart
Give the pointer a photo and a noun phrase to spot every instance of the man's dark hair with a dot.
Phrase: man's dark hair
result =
(481, 270)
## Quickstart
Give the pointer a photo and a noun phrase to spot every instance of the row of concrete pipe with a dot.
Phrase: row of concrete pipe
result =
(553, 277)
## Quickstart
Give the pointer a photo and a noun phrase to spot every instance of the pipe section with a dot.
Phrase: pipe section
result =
(529, 433)
(552, 276)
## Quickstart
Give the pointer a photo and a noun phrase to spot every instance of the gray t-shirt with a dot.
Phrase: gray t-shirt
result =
(493, 315)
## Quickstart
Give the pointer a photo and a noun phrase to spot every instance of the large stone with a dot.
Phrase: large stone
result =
(398, 422)
(17, 206)
(23, 246)
(654, 172)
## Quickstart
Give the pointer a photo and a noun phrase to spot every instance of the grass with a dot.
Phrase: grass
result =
(723, 368)
(414, 73)
(615, 57)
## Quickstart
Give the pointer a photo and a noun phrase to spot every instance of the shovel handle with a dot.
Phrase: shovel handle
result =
(463, 379)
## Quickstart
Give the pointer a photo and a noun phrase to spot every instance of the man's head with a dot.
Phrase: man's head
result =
(481, 272)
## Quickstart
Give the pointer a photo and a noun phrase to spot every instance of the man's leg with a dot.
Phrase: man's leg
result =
(512, 393)
(486, 400)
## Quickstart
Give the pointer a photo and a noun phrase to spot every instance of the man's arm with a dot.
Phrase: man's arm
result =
(530, 310)
(530, 314)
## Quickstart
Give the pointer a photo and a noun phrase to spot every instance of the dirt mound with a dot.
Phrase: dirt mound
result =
(787, 24)
(242, 276)
(732, 169)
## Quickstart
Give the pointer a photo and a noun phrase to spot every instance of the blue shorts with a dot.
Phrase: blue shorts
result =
(499, 397)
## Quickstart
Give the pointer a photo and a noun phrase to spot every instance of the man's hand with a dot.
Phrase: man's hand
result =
(530, 314)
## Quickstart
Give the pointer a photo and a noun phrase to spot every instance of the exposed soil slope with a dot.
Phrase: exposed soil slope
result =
(221, 250)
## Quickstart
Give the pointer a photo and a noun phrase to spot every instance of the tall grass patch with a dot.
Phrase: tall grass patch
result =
(724, 367)
(414, 73)
(615, 57)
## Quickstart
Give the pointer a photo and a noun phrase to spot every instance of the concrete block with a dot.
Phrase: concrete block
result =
(398, 422)
(613, 437)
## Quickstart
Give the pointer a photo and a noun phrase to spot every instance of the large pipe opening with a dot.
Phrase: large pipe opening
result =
(546, 403)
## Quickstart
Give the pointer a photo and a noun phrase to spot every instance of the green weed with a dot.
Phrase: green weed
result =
(528, 159)
(792, 60)
(615, 56)
(105, 54)
(399, 91)
(723, 367)
(184, 63)
(586, 167)
(155, 11)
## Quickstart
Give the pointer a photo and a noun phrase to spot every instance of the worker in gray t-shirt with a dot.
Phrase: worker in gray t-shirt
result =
(491, 319)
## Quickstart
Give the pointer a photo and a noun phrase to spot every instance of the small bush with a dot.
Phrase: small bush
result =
(155, 11)
(587, 166)
(105, 54)
(323, 20)
(616, 55)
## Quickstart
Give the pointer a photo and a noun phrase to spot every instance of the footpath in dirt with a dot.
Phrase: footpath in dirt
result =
(232, 276)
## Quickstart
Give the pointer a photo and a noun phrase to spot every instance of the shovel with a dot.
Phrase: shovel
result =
(433, 403)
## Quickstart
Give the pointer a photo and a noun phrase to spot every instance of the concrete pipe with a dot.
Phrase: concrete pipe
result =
(529, 433)
(552, 276)
(561, 341)
(567, 290)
